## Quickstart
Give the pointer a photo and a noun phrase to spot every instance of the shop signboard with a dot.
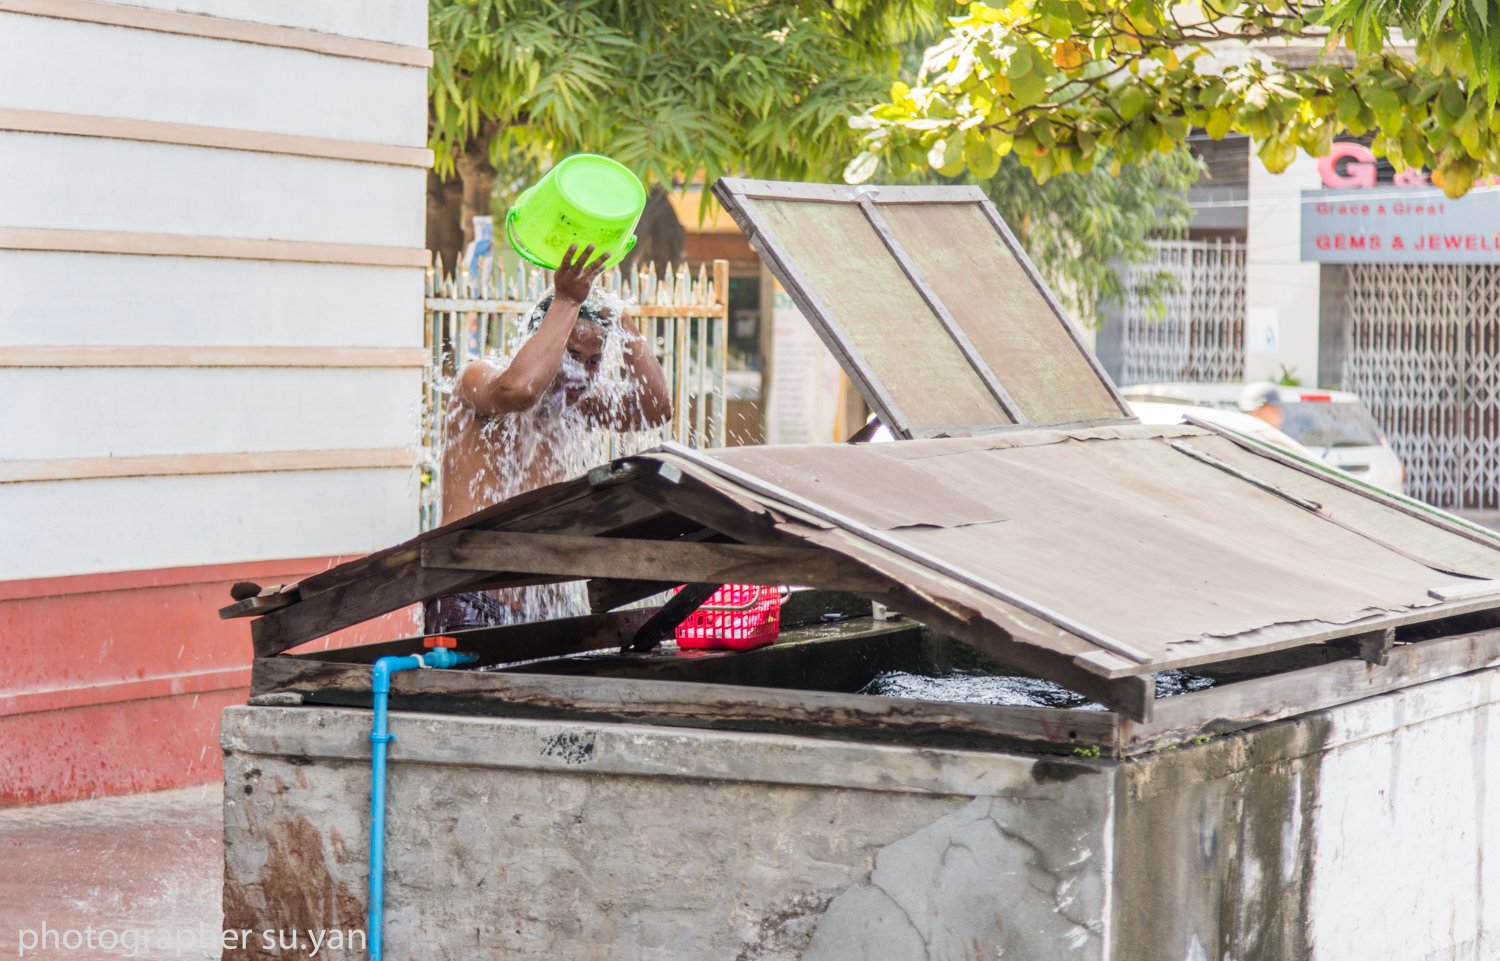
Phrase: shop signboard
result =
(1404, 221)
(1396, 226)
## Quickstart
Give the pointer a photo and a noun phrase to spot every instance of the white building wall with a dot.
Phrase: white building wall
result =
(233, 452)
(94, 183)
(146, 75)
(1280, 287)
(51, 297)
(386, 21)
(138, 523)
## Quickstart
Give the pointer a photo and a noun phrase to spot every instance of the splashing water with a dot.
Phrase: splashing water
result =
(550, 443)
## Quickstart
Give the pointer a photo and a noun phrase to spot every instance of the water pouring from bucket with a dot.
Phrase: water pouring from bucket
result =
(585, 199)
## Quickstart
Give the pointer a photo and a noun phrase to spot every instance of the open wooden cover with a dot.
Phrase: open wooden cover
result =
(1088, 556)
(928, 302)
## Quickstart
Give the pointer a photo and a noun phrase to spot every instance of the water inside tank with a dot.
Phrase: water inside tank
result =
(961, 686)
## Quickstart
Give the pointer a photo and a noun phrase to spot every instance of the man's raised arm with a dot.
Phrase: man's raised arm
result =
(490, 390)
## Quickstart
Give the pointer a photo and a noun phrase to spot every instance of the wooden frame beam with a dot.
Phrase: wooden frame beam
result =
(648, 560)
(1245, 704)
(343, 677)
(396, 578)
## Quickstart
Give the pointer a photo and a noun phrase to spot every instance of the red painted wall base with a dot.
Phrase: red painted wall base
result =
(114, 682)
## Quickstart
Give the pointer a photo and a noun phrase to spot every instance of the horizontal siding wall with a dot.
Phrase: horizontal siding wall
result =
(136, 411)
(385, 21)
(53, 528)
(47, 297)
(291, 437)
(124, 185)
(145, 75)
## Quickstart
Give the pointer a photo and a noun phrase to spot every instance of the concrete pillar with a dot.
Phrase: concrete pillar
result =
(1282, 291)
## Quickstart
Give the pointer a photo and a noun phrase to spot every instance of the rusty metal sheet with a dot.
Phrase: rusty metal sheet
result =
(1003, 313)
(1382, 520)
(881, 316)
(892, 495)
(1122, 532)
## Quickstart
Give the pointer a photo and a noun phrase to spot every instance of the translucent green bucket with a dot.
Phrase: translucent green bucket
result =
(586, 199)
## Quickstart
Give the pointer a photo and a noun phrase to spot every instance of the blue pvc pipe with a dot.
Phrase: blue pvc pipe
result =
(381, 686)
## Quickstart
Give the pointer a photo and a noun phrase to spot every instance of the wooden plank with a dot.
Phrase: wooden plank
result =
(218, 28)
(1249, 703)
(839, 657)
(535, 501)
(226, 138)
(256, 606)
(533, 640)
(186, 465)
(1280, 637)
(845, 194)
(679, 703)
(397, 579)
(647, 560)
(749, 523)
(1332, 475)
(677, 609)
(352, 604)
(606, 594)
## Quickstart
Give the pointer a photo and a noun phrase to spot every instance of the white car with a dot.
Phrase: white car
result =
(1151, 412)
(1334, 425)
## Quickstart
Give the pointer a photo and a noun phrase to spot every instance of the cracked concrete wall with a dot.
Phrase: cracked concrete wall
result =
(999, 878)
(1354, 833)
(574, 841)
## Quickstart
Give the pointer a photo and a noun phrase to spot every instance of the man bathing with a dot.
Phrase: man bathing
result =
(511, 428)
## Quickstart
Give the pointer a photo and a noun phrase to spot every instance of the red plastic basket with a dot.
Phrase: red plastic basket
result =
(737, 616)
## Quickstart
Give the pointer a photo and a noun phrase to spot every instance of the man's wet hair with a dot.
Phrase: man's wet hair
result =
(586, 311)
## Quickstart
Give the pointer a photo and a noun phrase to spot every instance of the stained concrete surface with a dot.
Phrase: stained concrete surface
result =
(144, 862)
(580, 842)
(1350, 834)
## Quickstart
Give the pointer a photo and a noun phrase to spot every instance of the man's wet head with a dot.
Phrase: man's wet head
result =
(585, 351)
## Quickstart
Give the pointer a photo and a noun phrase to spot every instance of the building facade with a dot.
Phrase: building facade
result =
(1339, 273)
(211, 270)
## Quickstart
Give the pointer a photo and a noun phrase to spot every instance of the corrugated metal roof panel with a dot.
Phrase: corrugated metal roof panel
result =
(1121, 531)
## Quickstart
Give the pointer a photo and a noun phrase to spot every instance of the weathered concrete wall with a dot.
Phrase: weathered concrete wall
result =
(1346, 835)
(1351, 834)
(567, 840)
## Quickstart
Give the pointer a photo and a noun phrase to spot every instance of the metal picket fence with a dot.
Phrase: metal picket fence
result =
(683, 315)
(1198, 334)
(1423, 351)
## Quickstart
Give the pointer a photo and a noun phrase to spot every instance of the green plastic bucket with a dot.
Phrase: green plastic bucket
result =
(585, 199)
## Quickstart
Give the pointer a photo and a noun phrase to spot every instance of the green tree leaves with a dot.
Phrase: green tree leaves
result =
(668, 87)
(1080, 227)
(1070, 82)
